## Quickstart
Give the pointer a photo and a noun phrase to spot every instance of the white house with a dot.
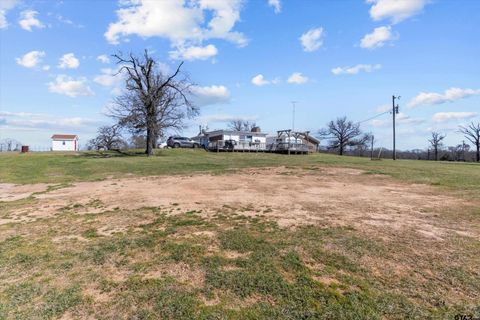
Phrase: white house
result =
(275, 139)
(239, 140)
(64, 142)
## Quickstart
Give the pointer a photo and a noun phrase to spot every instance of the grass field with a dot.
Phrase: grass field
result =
(66, 168)
(112, 236)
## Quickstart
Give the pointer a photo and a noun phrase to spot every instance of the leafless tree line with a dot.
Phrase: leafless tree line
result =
(346, 137)
(241, 125)
(9, 144)
(471, 132)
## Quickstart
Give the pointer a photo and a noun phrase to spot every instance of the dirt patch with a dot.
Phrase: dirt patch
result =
(291, 196)
(13, 192)
(230, 254)
(182, 272)
(328, 281)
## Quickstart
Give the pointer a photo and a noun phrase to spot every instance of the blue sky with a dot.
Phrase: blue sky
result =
(249, 59)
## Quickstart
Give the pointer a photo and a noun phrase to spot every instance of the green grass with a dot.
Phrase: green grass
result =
(225, 265)
(66, 168)
(277, 273)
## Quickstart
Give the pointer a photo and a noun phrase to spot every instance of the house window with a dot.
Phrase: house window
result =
(63, 142)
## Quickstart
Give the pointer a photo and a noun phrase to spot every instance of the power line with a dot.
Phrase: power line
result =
(376, 116)
(368, 119)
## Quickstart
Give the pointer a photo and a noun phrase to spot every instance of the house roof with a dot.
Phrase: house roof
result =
(64, 137)
(312, 139)
(219, 132)
(301, 135)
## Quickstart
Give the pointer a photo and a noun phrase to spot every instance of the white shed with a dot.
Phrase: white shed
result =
(64, 142)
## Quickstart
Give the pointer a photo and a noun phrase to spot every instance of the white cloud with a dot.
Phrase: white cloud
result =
(68, 61)
(64, 20)
(396, 10)
(297, 78)
(27, 120)
(103, 58)
(28, 20)
(378, 123)
(383, 108)
(17, 114)
(401, 118)
(46, 67)
(203, 96)
(70, 87)
(259, 80)
(450, 95)
(194, 53)
(3, 19)
(5, 6)
(184, 23)
(446, 116)
(312, 39)
(108, 78)
(276, 4)
(378, 38)
(30, 59)
(356, 69)
(69, 22)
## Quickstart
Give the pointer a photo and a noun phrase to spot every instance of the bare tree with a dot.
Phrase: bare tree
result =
(249, 126)
(361, 144)
(436, 142)
(236, 125)
(241, 125)
(153, 101)
(455, 152)
(138, 142)
(9, 144)
(108, 137)
(472, 133)
(342, 133)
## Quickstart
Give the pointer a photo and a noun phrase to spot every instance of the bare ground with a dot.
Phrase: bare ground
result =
(333, 196)
(421, 227)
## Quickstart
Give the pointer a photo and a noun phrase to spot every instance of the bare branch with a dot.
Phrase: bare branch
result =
(343, 133)
(153, 102)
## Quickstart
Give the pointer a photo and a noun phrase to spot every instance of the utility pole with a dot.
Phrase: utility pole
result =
(293, 115)
(371, 150)
(394, 112)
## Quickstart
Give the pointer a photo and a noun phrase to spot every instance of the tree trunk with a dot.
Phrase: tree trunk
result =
(478, 152)
(151, 136)
(149, 150)
(340, 151)
(436, 154)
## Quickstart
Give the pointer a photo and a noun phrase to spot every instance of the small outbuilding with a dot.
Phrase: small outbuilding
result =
(64, 142)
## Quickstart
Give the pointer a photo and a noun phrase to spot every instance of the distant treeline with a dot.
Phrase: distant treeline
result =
(446, 154)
